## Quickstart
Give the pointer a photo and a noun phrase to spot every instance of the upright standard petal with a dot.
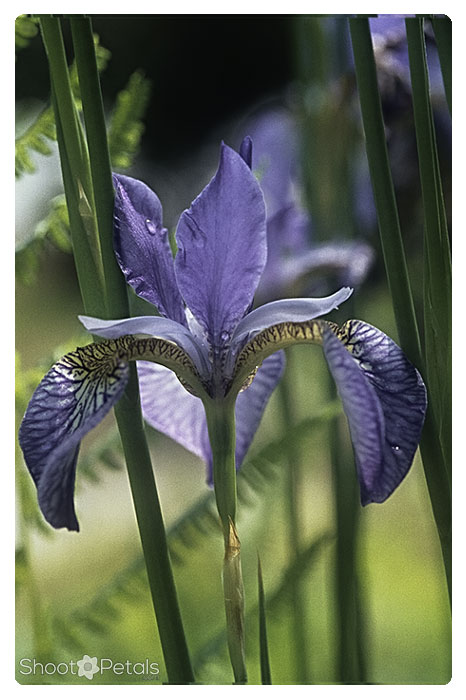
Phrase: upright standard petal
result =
(142, 247)
(72, 398)
(384, 399)
(222, 248)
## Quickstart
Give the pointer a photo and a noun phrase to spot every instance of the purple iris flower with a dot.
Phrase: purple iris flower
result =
(207, 346)
(295, 262)
(391, 53)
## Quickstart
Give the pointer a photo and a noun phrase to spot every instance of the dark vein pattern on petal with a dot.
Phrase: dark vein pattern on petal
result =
(72, 398)
(384, 399)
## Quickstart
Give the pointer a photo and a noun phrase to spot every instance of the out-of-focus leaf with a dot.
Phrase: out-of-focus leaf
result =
(26, 28)
(126, 126)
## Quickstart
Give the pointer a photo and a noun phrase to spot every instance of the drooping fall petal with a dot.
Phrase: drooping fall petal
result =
(72, 398)
(384, 399)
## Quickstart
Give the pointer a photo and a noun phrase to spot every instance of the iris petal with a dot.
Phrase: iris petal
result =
(170, 409)
(72, 398)
(346, 261)
(384, 399)
(275, 155)
(283, 311)
(154, 326)
(222, 248)
(142, 247)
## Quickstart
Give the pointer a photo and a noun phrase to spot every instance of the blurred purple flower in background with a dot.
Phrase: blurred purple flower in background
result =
(296, 263)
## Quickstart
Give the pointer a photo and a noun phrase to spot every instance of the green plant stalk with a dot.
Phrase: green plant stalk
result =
(350, 661)
(437, 277)
(89, 84)
(152, 532)
(384, 193)
(442, 31)
(128, 413)
(90, 275)
(347, 512)
(397, 273)
(87, 255)
(59, 73)
(220, 415)
(326, 137)
(266, 674)
(294, 485)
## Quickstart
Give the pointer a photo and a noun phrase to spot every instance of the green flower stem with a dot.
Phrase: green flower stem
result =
(442, 30)
(347, 513)
(153, 536)
(294, 486)
(54, 46)
(128, 412)
(220, 415)
(397, 274)
(89, 84)
(86, 251)
(90, 274)
(351, 662)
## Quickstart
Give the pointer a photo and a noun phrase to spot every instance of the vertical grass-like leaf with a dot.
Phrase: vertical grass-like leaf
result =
(89, 192)
(384, 192)
(442, 31)
(75, 168)
(294, 482)
(433, 458)
(437, 273)
(266, 674)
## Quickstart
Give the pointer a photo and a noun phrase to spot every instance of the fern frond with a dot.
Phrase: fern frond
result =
(56, 225)
(103, 57)
(54, 229)
(126, 126)
(26, 28)
(107, 454)
(35, 138)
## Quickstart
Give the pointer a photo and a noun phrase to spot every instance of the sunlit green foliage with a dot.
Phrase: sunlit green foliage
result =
(126, 125)
(26, 28)
(124, 133)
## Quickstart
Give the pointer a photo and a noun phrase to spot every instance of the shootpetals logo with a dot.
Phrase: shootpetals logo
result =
(89, 667)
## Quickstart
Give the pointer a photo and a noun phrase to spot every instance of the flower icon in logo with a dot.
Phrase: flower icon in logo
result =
(87, 666)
